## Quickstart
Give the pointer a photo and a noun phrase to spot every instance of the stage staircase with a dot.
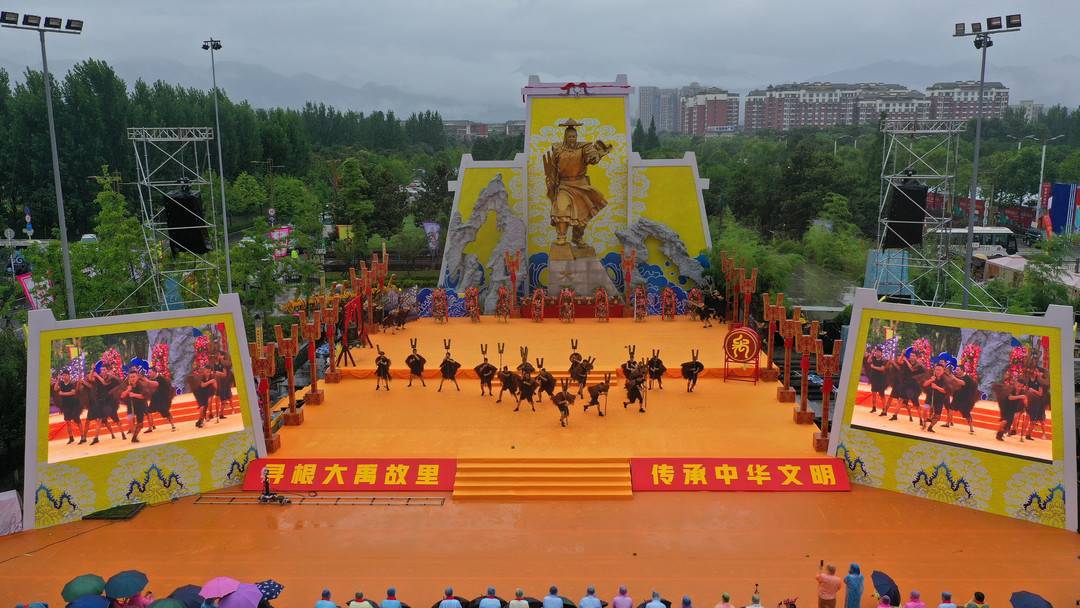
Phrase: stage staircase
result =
(542, 478)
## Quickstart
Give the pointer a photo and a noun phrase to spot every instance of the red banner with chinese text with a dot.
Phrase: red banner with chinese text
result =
(353, 474)
(738, 475)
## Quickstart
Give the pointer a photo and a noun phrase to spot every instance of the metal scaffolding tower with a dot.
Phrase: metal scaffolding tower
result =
(169, 160)
(920, 151)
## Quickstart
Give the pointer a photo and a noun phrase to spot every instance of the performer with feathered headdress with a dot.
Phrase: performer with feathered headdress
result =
(136, 394)
(161, 387)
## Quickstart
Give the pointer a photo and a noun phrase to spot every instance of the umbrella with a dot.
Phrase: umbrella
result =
(168, 602)
(464, 602)
(1027, 599)
(533, 602)
(125, 584)
(90, 601)
(188, 596)
(662, 601)
(87, 584)
(885, 585)
(476, 601)
(219, 587)
(270, 588)
(245, 596)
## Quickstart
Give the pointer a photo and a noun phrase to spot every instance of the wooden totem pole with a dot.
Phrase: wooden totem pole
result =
(287, 348)
(330, 314)
(748, 285)
(773, 313)
(263, 366)
(806, 344)
(788, 328)
(827, 366)
(513, 266)
(629, 262)
(311, 330)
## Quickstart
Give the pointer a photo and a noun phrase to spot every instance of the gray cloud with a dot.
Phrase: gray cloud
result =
(470, 57)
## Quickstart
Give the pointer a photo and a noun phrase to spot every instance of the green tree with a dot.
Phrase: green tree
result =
(247, 196)
(410, 242)
(355, 194)
(12, 406)
(434, 201)
(652, 140)
(638, 137)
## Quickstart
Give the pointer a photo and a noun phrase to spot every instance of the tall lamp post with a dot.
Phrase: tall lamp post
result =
(982, 42)
(215, 45)
(51, 25)
(1042, 167)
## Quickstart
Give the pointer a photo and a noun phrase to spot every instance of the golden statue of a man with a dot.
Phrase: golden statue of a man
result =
(574, 201)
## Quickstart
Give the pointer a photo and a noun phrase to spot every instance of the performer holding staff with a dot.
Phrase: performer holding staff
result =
(595, 391)
(526, 388)
(508, 381)
(563, 400)
(415, 362)
(545, 381)
(449, 368)
(656, 369)
(691, 370)
(486, 372)
(382, 369)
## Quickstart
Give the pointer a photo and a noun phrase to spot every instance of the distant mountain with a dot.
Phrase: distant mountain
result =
(1051, 82)
(265, 88)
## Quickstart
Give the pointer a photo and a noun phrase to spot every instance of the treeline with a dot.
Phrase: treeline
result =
(93, 107)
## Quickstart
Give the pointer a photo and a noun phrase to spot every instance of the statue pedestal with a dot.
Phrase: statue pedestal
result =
(582, 275)
(273, 443)
(313, 397)
(769, 374)
(785, 395)
(801, 417)
(332, 377)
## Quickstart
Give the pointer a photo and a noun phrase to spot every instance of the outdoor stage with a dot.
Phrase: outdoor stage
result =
(696, 543)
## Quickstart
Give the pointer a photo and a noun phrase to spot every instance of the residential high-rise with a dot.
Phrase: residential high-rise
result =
(649, 106)
(1030, 109)
(710, 111)
(827, 104)
(668, 116)
(959, 100)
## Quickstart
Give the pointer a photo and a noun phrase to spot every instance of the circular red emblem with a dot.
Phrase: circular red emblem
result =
(742, 345)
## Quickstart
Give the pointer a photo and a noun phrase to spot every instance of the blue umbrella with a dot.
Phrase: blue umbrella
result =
(270, 588)
(125, 584)
(188, 595)
(1027, 599)
(90, 601)
(885, 585)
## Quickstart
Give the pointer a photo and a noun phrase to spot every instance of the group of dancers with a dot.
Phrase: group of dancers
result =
(145, 389)
(906, 381)
(528, 382)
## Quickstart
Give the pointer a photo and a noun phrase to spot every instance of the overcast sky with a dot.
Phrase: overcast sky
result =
(478, 53)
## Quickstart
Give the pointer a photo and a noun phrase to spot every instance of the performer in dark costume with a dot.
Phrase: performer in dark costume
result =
(203, 387)
(525, 367)
(105, 401)
(563, 400)
(965, 392)
(874, 364)
(449, 368)
(508, 381)
(937, 395)
(415, 362)
(595, 391)
(526, 388)
(628, 367)
(1010, 401)
(486, 372)
(545, 382)
(382, 369)
(656, 369)
(161, 394)
(1038, 395)
(579, 371)
(136, 395)
(635, 385)
(65, 390)
(223, 373)
(691, 370)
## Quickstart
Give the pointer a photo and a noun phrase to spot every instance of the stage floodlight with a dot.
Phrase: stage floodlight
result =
(976, 28)
(216, 45)
(9, 18)
(993, 23)
(206, 46)
(74, 25)
(31, 20)
(961, 29)
(53, 22)
(1012, 21)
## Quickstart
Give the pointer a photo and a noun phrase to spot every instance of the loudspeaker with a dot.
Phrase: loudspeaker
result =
(183, 215)
(905, 215)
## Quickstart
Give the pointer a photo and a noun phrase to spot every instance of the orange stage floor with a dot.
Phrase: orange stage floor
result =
(699, 544)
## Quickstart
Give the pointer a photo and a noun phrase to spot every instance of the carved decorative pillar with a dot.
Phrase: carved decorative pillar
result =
(806, 343)
(827, 366)
(287, 348)
(311, 330)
